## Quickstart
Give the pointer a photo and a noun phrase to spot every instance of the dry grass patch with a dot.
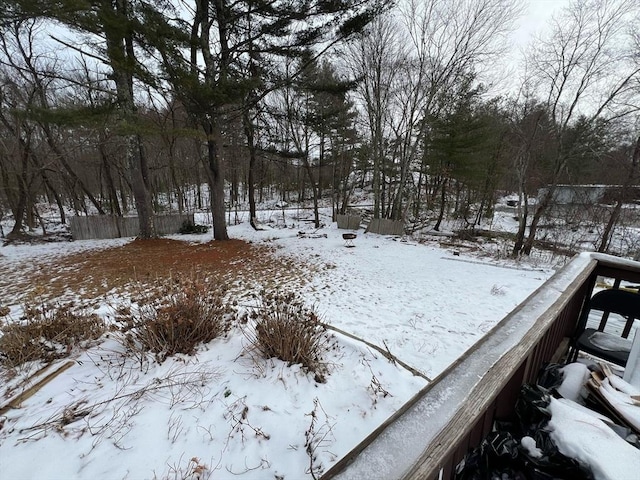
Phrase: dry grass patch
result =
(145, 271)
(109, 271)
(285, 328)
(48, 332)
(175, 318)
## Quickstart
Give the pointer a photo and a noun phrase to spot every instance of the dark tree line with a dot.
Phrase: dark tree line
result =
(116, 106)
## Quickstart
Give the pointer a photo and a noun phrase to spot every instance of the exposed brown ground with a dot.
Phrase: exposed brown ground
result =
(93, 274)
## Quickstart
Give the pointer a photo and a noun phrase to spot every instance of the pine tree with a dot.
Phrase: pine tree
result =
(115, 24)
(225, 59)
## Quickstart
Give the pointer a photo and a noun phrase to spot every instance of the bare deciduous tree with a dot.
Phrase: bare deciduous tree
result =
(410, 62)
(631, 178)
(375, 58)
(583, 70)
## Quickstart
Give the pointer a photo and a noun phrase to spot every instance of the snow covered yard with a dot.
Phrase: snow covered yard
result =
(225, 413)
(424, 303)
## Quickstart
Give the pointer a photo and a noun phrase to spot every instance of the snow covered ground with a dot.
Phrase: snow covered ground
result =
(226, 414)
(427, 304)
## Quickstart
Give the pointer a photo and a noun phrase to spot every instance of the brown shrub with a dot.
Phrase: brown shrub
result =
(47, 332)
(183, 314)
(285, 328)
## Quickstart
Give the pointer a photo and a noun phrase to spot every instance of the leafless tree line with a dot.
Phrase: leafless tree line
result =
(256, 101)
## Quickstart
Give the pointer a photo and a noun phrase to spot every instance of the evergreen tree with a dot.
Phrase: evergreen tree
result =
(320, 120)
(115, 25)
(458, 144)
(225, 59)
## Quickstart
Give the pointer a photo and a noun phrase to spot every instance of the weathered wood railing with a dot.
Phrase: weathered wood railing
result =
(430, 435)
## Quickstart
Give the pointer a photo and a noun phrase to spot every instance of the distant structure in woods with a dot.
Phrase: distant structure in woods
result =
(591, 194)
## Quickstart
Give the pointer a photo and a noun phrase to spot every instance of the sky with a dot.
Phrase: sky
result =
(534, 21)
(535, 17)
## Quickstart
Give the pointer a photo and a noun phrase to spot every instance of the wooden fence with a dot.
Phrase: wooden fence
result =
(349, 222)
(110, 226)
(430, 435)
(381, 226)
(384, 226)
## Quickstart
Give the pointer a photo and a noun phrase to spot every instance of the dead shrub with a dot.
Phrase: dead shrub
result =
(182, 314)
(47, 332)
(285, 328)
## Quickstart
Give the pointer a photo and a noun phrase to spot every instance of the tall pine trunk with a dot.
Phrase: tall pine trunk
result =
(121, 59)
(216, 183)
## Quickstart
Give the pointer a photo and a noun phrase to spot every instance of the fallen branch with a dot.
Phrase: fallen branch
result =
(16, 401)
(385, 353)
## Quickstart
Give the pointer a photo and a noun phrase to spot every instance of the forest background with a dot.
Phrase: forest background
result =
(127, 107)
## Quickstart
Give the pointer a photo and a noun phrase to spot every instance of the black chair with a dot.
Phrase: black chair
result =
(621, 302)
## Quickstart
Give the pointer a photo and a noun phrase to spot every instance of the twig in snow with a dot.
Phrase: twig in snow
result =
(316, 437)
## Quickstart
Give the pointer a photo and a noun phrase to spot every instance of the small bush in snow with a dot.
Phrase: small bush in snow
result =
(47, 332)
(285, 328)
(184, 313)
(190, 227)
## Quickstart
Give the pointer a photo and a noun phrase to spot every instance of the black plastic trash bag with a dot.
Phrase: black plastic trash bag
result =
(495, 458)
(501, 455)
(551, 376)
(532, 409)
(533, 415)
(552, 464)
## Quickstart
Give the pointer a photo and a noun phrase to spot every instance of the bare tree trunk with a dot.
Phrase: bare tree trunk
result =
(50, 188)
(314, 188)
(111, 189)
(6, 187)
(251, 187)
(537, 216)
(523, 198)
(21, 205)
(216, 184)
(347, 189)
(615, 215)
(121, 58)
(174, 180)
(170, 141)
(523, 214)
(443, 200)
(396, 204)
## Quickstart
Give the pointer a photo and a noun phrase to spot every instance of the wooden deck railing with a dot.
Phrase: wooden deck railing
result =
(430, 435)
